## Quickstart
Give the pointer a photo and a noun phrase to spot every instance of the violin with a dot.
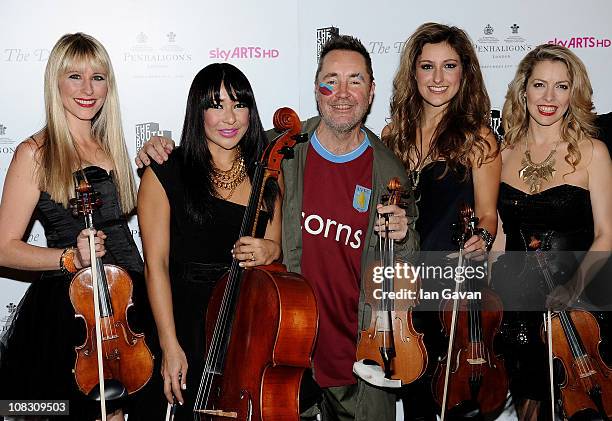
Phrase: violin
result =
(261, 322)
(470, 377)
(573, 338)
(391, 341)
(113, 361)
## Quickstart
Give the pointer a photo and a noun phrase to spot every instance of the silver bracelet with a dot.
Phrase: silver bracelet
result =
(486, 237)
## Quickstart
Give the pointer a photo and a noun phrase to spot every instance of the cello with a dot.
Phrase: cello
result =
(471, 372)
(113, 361)
(261, 322)
(391, 341)
(573, 338)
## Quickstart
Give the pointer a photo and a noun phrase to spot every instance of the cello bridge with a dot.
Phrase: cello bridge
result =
(218, 413)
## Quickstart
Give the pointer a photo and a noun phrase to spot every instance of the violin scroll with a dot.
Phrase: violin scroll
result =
(287, 119)
(466, 226)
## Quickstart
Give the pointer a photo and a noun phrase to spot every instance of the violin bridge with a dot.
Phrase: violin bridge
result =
(476, 361)
(217, 413)
(587, 374)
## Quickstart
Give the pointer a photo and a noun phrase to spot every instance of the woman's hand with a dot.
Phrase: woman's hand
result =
(474, 247)
(82, 257)
(252, 251)
(174, 372)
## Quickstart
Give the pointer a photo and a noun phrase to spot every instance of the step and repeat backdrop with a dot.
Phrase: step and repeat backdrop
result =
(157, 47)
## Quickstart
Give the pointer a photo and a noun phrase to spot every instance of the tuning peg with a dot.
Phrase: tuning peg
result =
(301, 138)
(287, 152)
(73, 204)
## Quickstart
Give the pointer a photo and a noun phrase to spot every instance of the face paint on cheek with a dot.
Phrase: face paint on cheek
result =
(326, 89)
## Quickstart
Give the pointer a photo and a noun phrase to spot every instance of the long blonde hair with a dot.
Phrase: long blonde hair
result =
(57, 154)
(579, 120)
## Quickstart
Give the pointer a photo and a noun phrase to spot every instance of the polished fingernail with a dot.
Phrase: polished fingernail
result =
(184, 386)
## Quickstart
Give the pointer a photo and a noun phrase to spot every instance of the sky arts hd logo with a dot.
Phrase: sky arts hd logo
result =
(582, 42)
(236, 53)
(144, 131)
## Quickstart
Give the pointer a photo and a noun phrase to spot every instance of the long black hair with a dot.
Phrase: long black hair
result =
(197, 159)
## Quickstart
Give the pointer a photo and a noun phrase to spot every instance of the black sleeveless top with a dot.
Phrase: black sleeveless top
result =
(440, 198)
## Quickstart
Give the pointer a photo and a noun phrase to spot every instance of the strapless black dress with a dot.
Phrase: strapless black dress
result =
(562, 218)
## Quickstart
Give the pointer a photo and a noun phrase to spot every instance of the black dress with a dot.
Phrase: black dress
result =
(562, 217)
(200, 253)
(439, 197)
(37, 351)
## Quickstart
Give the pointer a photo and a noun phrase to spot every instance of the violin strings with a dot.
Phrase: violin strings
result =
(583, 366)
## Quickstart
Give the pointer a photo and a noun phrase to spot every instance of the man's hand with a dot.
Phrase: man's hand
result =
(157, 148)
(397, 221)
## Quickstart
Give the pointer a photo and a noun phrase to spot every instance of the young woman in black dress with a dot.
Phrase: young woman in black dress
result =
(190, 210)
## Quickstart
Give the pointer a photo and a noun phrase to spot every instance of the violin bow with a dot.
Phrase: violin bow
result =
(171, 408)
(469, 224)
(94, 281)
(83, 187)
(548, 324)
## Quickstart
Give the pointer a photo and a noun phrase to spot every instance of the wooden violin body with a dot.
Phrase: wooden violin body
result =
(476, 373)
(574, 339)
(127, 358)
(277, 320)
(391, 341)
(470, 377)
(588, 380)
(101, 296)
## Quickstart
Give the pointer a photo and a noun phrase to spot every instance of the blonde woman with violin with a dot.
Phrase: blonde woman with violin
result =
(555, 190)
(82, 138)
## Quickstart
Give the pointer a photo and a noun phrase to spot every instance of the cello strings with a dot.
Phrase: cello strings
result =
(214, 349)
(233, 281)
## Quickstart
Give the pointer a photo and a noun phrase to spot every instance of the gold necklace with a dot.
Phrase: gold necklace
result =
(535, 174)
(229, 179)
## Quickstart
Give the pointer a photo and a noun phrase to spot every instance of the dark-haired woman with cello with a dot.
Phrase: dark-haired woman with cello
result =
(82, 139)
(190, 210)
(555, 191)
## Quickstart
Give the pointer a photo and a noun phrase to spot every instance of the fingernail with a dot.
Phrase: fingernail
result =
(241, 264)
(184, 386)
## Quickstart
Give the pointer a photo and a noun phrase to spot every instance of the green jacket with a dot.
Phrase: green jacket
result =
(385, 166)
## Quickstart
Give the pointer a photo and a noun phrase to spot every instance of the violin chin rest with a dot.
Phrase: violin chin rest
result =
(113, 389)
(374, 375)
